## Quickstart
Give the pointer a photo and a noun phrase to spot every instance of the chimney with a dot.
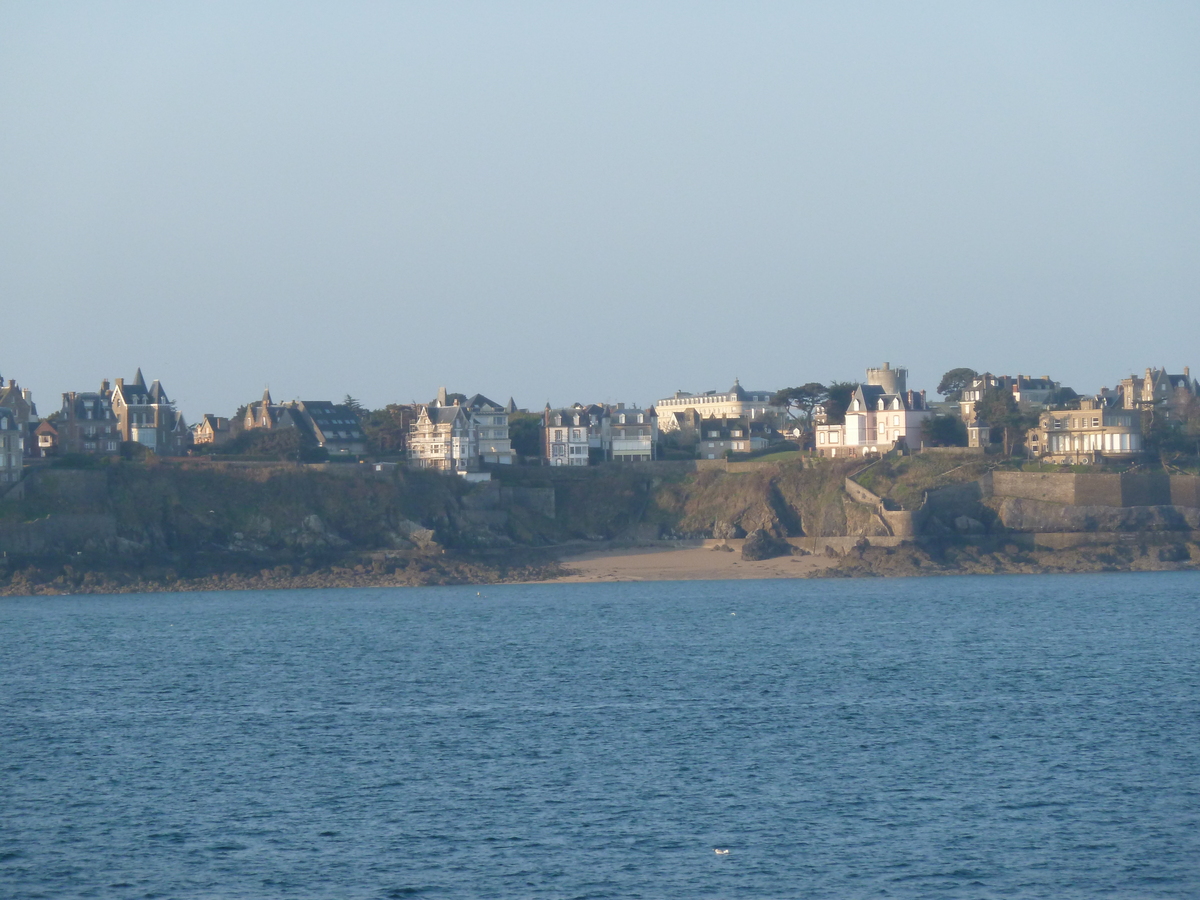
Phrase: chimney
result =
(120, 382)
(620, 406)
(441, 397)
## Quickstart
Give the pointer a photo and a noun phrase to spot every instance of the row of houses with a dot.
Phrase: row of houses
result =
(883, 415)
(461, 435)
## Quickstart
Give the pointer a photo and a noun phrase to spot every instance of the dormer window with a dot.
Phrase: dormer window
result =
(854, 406)
(622, 418)
(639, 418)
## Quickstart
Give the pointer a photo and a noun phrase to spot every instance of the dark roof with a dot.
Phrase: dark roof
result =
(479, 401)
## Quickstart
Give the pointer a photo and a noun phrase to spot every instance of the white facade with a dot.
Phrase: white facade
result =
(732, 404)
(880, 416)
(460, 438)
(630, 435)
(1098, 429)
(441, 439)
(569, 434)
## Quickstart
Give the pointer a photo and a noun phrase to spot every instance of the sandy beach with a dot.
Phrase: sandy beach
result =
(679, 564)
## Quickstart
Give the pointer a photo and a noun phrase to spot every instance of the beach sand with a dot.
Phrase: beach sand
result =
(697, 563)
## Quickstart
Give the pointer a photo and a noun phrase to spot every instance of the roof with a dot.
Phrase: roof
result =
(479, 401)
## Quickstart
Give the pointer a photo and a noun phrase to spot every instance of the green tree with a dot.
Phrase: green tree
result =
(946, 431)
(804, 398)
(954, 382)
(998, 409)
(525, 432)
(354, 406)
(837, 400)
(386, 430)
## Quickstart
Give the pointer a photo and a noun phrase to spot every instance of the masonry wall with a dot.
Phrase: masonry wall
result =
(1128, 489)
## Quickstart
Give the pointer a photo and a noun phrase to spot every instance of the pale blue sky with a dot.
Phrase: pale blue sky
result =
(592, 202)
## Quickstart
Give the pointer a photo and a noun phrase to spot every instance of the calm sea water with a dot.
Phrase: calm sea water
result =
(941, 737)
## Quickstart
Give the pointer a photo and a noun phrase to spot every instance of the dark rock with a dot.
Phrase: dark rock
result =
(761, 544)
(1174, 553)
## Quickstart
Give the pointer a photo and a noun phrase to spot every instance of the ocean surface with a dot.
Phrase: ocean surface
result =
(926, 737)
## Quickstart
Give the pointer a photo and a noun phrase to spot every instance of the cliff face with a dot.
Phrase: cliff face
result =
(294, 513)
(1018, 514)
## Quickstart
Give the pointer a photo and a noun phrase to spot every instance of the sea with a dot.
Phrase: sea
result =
(958, 737)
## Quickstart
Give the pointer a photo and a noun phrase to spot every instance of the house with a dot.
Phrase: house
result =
(1033, 392)
(212, 431)
(1159, 391)
(1102, 428)
(146, 416)
(442, 439)
(882, 415)
(572, 436)
(489, 422)
(12, 447)
(19, 401)
(733, 434)
(737, 402)
(629, 434)
(333, 427)
(87, 423)
(45, 440)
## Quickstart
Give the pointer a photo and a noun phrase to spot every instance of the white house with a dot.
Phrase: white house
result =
(882, 415)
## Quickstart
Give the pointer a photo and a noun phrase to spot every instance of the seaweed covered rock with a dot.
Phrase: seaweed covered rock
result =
(761, 544)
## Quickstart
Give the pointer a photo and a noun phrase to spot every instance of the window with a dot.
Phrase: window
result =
(1095, 422)
(821, 438)
(895, 420)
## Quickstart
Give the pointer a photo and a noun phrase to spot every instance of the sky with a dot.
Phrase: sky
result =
(592, 202)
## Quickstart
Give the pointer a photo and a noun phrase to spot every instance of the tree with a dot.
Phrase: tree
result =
(805, 398)
(386, 430)
(946, 431)
(525, 432)
(837, 400)
(354, 406)
(954, 382)
(998, 409)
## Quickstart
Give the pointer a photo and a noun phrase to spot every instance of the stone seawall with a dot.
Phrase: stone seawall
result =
(1118, 490)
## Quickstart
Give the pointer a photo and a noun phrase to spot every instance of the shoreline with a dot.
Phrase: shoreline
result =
(698, 560)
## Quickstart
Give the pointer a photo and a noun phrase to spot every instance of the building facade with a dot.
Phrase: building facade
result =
(87, 423)
(12, 447)
(212, 431)
(20, 403)
(440, 439)
(719, 436)
(630, 434)
(1102, 428)
(1033, 392)
(1158, 391)
(146, 416)
(332, 427)
(736, 403)
(882, 415)
(572, 436)
(489, 424)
